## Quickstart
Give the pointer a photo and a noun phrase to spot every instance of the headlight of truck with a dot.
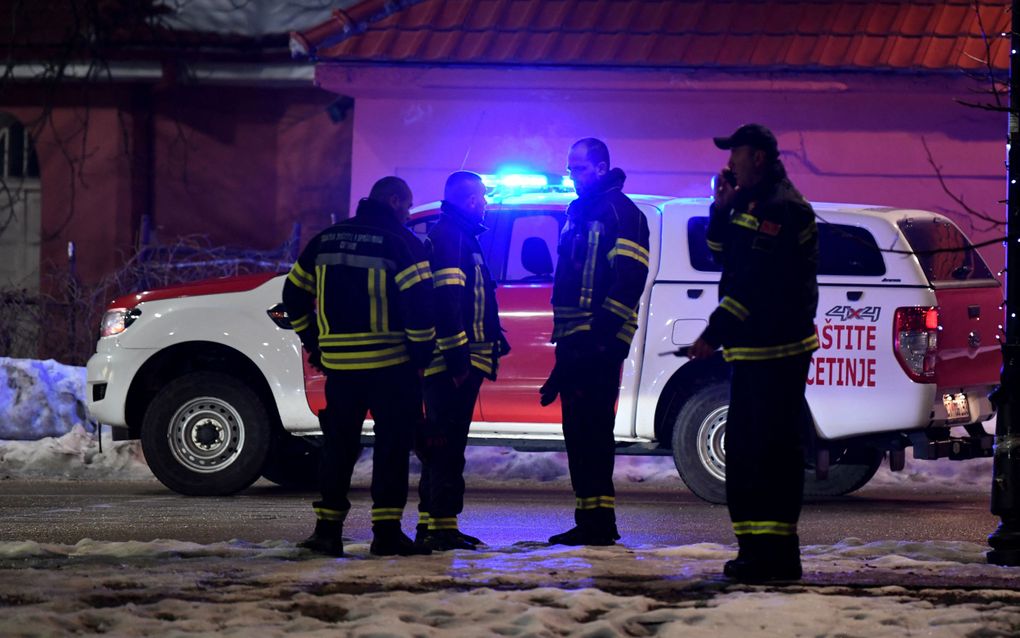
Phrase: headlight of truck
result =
(116, 321)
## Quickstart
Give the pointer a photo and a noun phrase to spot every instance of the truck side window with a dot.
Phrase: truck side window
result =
(533, 240)
(842, 250)
(944, 251)
(848, 250)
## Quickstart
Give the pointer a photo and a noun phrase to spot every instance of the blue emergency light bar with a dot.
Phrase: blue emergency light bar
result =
(516, 182)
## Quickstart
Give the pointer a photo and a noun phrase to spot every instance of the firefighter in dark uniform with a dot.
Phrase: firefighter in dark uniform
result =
(360, 299)
(469, 342)
(600, 276)
(764, 232)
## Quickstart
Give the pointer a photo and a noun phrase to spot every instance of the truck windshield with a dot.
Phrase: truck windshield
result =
(944, 252)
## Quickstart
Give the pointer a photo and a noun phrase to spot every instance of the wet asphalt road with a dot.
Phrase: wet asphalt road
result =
(66, 512)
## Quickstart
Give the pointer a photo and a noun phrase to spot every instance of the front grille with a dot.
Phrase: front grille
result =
(98, 392)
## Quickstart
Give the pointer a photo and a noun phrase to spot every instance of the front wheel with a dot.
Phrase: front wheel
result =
(206, 434)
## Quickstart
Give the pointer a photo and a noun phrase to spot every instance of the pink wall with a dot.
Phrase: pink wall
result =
(241, 165)
(850, 139)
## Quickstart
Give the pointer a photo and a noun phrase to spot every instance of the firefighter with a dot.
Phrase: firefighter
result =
(600, 275)
(764, 233)
(469, 342)
(360, 299)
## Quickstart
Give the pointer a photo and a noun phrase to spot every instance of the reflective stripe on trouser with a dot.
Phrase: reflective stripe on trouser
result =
(324, 513)
(393, 395)
(588, 397)
(766, 427)
(441, 444)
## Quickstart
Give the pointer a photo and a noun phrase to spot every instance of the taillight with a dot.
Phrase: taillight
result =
(916, 340)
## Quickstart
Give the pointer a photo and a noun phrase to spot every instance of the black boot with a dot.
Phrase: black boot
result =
(441, 540)
(765, 558)
(326, 539)
(421, 530)
(594, 527)
(389, 540)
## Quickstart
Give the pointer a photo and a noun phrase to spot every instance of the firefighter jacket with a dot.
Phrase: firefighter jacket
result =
(468, 333)
(768, 293)
(360, 294)
(601, 267)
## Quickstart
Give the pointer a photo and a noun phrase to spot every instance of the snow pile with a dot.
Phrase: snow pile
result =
(272, 588)
(40, 399)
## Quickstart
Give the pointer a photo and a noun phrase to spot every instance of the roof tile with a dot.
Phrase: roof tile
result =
(850, 34)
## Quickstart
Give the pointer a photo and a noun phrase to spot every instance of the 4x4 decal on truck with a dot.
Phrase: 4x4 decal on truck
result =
(849, 313)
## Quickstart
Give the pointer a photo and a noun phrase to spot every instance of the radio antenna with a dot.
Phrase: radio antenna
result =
(471, 140)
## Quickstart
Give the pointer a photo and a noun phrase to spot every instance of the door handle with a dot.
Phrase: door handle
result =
(854, 295)
(694, 293)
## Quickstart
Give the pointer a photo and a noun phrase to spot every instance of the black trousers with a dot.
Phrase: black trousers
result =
(766, 429)
(448, 412)
(589, 387)
(393, 395)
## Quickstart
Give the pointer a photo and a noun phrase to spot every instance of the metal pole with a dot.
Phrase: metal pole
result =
(1005, 541)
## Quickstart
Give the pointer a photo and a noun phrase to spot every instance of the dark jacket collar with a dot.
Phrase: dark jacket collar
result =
(761, 191)
(375, 210)
(462, 219)
(613, 180)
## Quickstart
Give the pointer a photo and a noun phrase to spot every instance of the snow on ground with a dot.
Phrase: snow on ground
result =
(273, 588)
(526, 589)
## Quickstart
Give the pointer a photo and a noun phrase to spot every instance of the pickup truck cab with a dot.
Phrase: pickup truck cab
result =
(212, 380)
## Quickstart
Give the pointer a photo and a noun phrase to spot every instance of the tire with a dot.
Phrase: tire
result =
(699, 435)
(699, 438)
(206, 434)
(850, 472)
(292, 462)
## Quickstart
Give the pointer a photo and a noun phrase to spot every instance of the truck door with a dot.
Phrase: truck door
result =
(522, 259)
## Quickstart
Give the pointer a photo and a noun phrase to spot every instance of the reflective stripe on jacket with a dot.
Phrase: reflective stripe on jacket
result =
(768, 292)
(361, 293)
(467, 318)
(602, 265)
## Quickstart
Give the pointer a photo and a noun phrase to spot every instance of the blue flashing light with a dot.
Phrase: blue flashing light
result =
(509, 182)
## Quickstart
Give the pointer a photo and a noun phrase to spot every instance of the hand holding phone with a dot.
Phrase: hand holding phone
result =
(725, 187)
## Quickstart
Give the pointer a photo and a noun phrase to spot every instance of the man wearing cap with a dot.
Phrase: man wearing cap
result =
(763, 232)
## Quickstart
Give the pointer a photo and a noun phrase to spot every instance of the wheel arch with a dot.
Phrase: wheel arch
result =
(680, 388)
(193, 356)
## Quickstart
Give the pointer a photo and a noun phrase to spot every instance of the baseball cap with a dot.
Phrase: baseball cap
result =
(753, 135)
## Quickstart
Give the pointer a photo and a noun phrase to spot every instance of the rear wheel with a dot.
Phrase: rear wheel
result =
(849, 473)
(699, 451)
(699, 442)
(205, 434)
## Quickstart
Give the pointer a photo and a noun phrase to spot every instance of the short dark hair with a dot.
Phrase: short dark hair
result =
(388, 187)
(596, 150)
(457, 186)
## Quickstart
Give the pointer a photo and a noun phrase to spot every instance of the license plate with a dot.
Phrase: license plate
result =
(957, 407)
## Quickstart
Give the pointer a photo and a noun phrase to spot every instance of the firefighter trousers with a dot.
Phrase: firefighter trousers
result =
(448, 412)
(393, 395)
(766, 430)
(589, 387)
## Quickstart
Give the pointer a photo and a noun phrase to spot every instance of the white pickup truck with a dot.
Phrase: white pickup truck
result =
(211, 378)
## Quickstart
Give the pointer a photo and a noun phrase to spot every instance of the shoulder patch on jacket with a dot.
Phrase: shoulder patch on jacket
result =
(769, 227)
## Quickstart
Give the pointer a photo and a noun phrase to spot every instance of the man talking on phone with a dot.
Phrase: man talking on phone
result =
(763, 232)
